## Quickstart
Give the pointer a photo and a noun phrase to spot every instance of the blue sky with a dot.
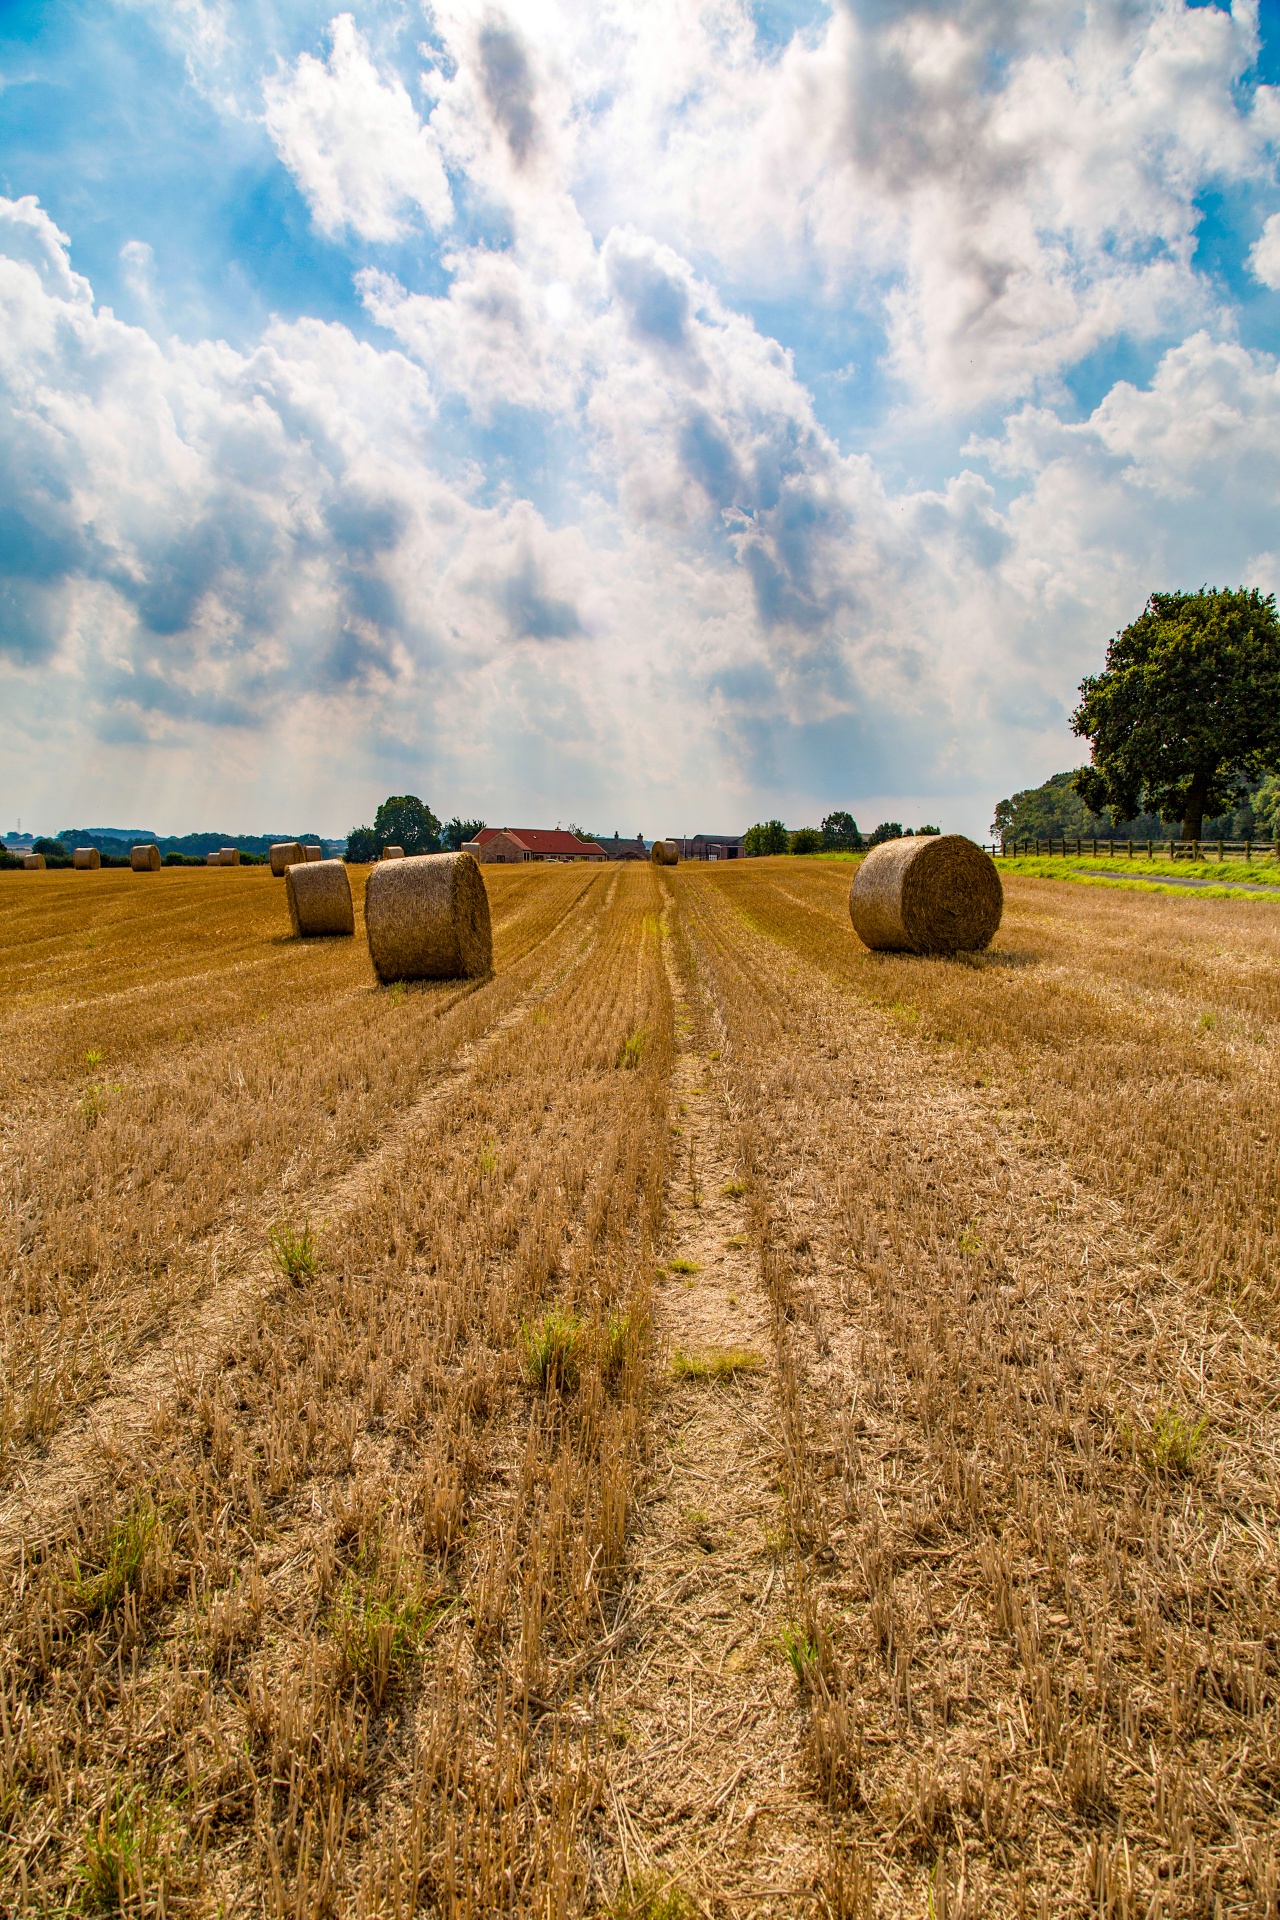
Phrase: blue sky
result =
(640, 415)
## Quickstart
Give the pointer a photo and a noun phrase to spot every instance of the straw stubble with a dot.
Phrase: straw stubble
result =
(427, 918)
(318, 893)
(934, 894)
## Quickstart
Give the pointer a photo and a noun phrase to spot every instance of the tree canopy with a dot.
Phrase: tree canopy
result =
(840, 833)
(1185, 717)
(401, 821)
(455, 832)
(767, 836)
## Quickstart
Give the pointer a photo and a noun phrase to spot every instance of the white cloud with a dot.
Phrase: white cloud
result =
(1264, 256)
(355, 145)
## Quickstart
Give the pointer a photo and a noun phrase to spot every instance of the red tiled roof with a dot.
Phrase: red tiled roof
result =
(542, 840)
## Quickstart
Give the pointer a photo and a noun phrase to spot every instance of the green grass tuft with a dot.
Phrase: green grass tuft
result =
(717, 1363)
(294, 1251)
(552, 1345)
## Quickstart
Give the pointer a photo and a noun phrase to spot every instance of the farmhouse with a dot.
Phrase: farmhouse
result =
(711, 846)
(499, 845)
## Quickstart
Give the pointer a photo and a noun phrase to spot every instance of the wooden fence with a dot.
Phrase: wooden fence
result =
(1154, 849)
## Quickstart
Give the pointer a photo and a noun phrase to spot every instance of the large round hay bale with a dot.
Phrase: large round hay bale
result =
(665, 853)
(427, 918)
(213, 859)
(284, 853)
(33, 862)
(145, 859)
(86, 859)
(938, 893)
(392, 853)
(229, 857)
(319, 897)
(313, 853)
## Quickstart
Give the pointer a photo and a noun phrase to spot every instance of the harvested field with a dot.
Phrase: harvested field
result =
(708, 1419)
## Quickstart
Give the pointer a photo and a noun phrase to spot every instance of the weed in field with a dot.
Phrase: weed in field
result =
(380, 1632)
(618, 1337)
(683, 1266)
(969, 1241)
(551, 1350)
(649, 1897)
(395, 992)
(1171, 1446)
(734, 1189)
(800, 1651)
(632, 1051)
(93, 1056)
(118, 1855)
(695, 1185)
(123, 1560)
(717, 1363)
(488, 1161)
(93, 1103)
(294, 1251)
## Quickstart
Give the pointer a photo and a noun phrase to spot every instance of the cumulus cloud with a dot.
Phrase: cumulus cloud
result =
(352, 140)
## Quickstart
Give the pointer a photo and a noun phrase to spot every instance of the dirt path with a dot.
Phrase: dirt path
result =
(703, 1709)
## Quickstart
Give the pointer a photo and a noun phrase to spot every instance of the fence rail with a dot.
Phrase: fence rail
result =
(1109, 850)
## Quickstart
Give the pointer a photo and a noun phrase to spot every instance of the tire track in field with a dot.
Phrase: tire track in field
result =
(82, 1451)
(705, 1793)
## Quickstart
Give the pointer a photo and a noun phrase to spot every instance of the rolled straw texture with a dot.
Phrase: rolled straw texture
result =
(229, 857)
(936, 894)
(284, 853)
(666, 853)
(427, 918)
(213, 859)
(392, 853)
(86, 859)
(33, 862)
(313, 853)
(145, 859)
(319, 897)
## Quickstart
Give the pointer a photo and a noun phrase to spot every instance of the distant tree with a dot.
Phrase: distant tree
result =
(767, 836)
(1185, 715)
(921, 831)
(1055, 811)
(362, 846)
(456, 831)
(51, 849)
(805, 840)
(840, 833)
(887, 830)
(405, 821)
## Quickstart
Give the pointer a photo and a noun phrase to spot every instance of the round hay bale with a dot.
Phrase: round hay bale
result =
(427, 918)
(666, 853)
(938, 893)
(86, 859)
(33, 862)
(313, 853)
(229, 857)
(319, 897)
(392, 853)
(213, 859)
(284, 853)
(145, 859)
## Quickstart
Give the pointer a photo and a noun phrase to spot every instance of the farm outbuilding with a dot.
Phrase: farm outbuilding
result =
(498, 846)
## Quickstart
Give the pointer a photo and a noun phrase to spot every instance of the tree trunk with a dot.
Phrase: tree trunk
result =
(1197, 793)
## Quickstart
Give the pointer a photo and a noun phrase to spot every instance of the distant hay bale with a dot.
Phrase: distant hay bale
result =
(392, 853)
(229, 857)
(937, 893)
(666, 853)
(145, 859)
(319, 897)
(86, 859)
(427, 918)
(313, 853)
(284, 853)
(213, 859)
(33, 862)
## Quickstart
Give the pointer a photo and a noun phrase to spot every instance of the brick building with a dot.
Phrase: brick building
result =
(496, 846)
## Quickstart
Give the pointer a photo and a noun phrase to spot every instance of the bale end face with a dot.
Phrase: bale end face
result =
(33, 863)
(666, 853)
(318, 893)
(938, 893)
(145, 859)
(284, 853)
(213, 859)
(427, 918)
(86, 859)
(313, 853)
(394, 853)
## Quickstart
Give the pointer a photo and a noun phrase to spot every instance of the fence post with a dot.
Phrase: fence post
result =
(1150, 854)
(1077, 849)
(1131, 846)
(1248, 850)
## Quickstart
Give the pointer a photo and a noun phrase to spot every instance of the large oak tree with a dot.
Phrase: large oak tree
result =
(1187, 708)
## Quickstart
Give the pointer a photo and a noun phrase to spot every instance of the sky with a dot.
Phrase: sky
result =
(659, 416)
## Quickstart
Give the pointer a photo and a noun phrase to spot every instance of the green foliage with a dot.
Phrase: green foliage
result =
(767, 836)
(456, 831)
(294, 1251)
(118, 1855)
(632, 1050)
(805, 840)
(683, 1266)
(1171, 1446)
(653, 1897)
(401, 821)
(552, 1344)
(1186, 713)
(51, 849)
(840, 834)
(801, 1652)
(887, 830)
(380, 1626)
(123, 1559)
